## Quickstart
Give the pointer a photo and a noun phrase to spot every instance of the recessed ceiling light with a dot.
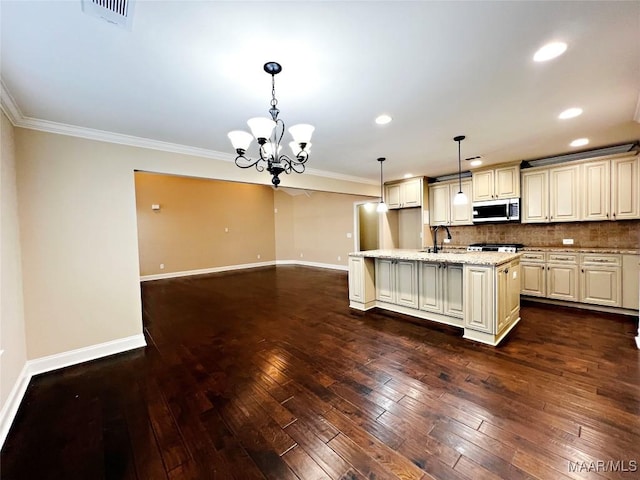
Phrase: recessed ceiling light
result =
(570, 113)
(475, 163)
(408, 175)
(579, 142)
(549, 51)
(383, 119)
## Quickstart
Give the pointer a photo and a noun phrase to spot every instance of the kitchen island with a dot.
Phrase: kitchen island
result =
(476, 291)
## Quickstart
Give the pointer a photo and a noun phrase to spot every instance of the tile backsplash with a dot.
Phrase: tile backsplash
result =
(619, 234)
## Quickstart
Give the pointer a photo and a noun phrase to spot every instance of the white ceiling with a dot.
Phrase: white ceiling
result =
(189, 72)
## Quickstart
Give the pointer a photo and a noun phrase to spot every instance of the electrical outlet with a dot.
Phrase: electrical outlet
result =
(339, 258)
(567, 241)
(349, 235)
(162, 266)
(301, 255)
(226, 229)
(258, 256)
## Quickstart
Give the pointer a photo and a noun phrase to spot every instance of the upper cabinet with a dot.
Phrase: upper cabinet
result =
(404, 194)
(502, 182)
(602, 189)
(550, 195)
(442, 211)
(610, 189)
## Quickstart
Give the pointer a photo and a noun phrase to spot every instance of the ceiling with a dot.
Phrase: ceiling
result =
(188, 72)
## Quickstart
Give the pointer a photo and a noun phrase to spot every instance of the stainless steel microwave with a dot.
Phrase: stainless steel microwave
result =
(504, 210)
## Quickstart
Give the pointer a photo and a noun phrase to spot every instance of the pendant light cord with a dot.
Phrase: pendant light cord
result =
(459, 169)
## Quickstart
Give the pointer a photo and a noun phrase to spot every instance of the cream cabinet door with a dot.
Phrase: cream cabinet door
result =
(600, 285)
(625, 182)
(439, 204)
(479, 298)
(534, 279)
(460, 214)
(392, 196)
(482, 185)
(430, 287)
(356, 279)
(385, 280)
(507, 182)
(452, 292)
(406, 283)
(411, 193)
(563, 194)
(535, 197)
(595, 190)
(562, 282)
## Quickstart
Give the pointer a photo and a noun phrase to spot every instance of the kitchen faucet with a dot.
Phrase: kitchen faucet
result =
(435, 236)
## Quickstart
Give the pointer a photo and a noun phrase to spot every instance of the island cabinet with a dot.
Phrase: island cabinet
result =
(476, 291)
(397, 282)
(441, 290)
(491, 301)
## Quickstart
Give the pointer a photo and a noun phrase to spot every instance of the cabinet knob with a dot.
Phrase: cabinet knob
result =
(542, 267)
(583, 270)
(506, 270)
(614, 215)
(545, 217)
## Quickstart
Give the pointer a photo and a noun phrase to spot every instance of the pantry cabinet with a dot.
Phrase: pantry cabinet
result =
(503, 182)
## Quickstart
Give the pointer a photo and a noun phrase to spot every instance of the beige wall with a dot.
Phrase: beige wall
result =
(369, 220)
(78, 231)
(12, 330)
(313, 226)
(188, 232)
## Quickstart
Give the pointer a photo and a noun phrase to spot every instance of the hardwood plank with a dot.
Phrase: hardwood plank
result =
(304, 387)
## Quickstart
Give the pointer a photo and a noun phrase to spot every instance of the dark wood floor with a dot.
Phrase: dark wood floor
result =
(267, 373)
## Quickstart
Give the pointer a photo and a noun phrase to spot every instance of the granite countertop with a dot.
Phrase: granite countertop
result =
(448, 256)
(568, 249)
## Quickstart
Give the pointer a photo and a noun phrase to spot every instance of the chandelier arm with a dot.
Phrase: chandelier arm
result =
(249, 163)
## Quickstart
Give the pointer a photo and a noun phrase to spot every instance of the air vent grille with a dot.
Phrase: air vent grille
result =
(117, 12)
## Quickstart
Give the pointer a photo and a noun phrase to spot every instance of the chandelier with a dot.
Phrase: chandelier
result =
(268, 132)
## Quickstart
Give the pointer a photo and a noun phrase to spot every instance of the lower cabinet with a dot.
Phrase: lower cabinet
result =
(600, 279)
(397, 282)
(533, 275)
(590, 278)
(441, 288)
(492, 297)
(361, 274)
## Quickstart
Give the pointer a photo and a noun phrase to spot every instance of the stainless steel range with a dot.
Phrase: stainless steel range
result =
(495, 247)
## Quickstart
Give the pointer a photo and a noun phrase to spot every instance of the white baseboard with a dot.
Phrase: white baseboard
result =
(85, 354)
(226, 268)
(202, 271)
(54, 362)
(313, 264)
(638, 342)
(11, 405)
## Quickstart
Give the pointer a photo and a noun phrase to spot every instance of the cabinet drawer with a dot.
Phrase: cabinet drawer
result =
(532, 257)
(595, 259)
(563, 258)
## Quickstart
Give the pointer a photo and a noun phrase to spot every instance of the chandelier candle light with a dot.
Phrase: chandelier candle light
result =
(460, 198)
(268, 132)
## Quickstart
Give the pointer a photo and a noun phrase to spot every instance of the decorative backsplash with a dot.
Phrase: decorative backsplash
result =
(620, 234)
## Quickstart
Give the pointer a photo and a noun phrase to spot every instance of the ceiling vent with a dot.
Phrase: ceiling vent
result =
(117, 12)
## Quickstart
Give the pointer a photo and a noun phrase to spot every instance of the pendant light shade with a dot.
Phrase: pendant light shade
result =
(382, 207)
(460, 198)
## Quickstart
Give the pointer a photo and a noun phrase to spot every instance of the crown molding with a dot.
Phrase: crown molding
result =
(16, 117)
(9, 106)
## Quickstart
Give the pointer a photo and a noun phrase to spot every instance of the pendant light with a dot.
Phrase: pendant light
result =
(382, 207)
(460, 198)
